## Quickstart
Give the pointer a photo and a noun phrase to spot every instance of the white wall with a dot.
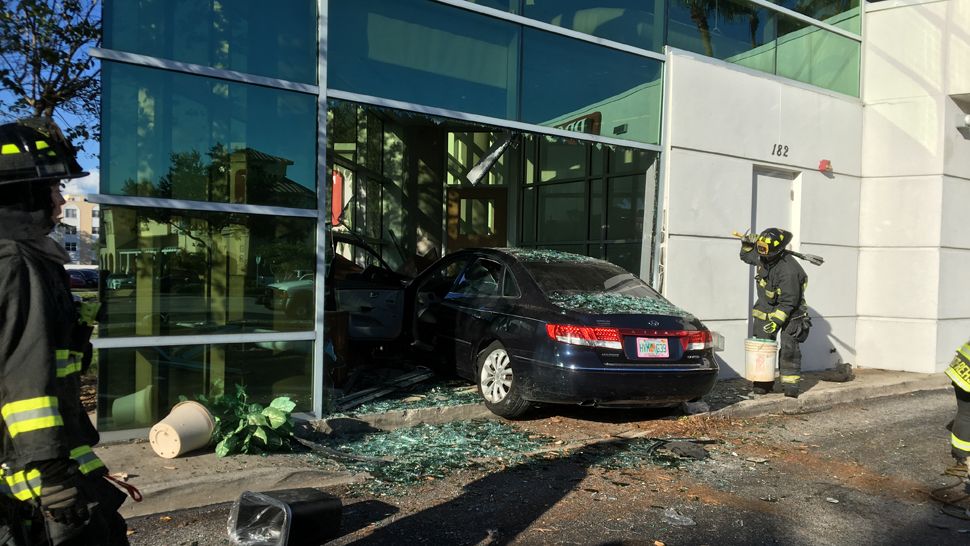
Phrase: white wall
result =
(914, 245)
(722, 123)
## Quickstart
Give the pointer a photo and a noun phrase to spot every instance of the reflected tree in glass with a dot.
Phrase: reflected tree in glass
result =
(702, 10)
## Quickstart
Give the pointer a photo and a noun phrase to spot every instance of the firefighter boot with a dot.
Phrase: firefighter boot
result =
(792, 390)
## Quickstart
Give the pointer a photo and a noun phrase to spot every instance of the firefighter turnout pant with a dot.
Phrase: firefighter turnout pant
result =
(959, 373)
(790, 357)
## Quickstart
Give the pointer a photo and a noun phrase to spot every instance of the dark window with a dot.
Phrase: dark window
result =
(70, 213)
(510, 289)
(593, 277)
(70, 247)
(481, 279)
(441, 281)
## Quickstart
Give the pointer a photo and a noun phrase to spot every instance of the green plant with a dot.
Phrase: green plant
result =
(244, 427)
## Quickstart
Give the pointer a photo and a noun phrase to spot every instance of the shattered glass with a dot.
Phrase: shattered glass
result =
(410, 455)
(547, 256)
(423, 395)
(614, 304)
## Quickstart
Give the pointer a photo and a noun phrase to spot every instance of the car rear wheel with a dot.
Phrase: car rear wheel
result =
(497, 385)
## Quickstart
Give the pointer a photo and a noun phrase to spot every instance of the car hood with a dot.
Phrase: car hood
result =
(289, 285)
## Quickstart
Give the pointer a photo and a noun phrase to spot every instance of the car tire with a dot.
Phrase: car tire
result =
(496, 383)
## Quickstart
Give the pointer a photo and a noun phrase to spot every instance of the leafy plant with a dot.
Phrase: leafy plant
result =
(244, 427)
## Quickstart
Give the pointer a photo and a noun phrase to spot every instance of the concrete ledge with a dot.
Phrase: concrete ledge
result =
(194, 492)
(392, 420)
(866, 386)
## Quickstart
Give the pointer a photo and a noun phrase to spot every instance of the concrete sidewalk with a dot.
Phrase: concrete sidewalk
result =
(201, 478)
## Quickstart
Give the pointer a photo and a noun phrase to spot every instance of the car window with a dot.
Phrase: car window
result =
(443, 279)
(588, 277)
(480, 279)
(483, 278)
(510, 289)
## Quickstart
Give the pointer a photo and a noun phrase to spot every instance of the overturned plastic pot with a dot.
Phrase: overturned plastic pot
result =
(289, 517)
(187, 427)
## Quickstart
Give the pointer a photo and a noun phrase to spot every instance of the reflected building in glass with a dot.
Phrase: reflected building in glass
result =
(237, 139)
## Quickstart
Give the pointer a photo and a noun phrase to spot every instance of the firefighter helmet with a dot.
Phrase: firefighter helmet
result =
(35, 150)
(772, 242)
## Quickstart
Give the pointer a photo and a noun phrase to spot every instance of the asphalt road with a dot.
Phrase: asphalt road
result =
(856, 474)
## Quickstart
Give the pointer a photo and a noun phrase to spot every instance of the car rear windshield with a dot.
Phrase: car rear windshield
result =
(569, 278)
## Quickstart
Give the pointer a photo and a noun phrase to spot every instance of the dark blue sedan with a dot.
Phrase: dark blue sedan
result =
(539, 326)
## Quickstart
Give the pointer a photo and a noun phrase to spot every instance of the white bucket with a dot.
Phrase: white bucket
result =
(188, 426)
(133, 409)
(760, 359)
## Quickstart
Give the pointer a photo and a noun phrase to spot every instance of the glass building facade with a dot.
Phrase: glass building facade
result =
(233, 134)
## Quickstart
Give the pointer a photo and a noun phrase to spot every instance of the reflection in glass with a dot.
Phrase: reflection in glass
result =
(138, 387)
(828, 11)
(626, 21)
(562, 212)
(625, 255)
(241, 35)
(425, 53)
(625, 212)
(734, 30)
(172, 135)
(819, 57)
(176, 272)
(577, 86)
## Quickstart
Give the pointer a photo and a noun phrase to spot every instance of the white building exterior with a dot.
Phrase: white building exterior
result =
(888, 219)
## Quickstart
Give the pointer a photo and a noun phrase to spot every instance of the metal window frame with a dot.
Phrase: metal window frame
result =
(486, 120)
(200, 339)
(147, 61)
(534, 23)
(104, 199)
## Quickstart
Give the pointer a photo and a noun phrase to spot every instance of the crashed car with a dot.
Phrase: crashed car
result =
(538, 326)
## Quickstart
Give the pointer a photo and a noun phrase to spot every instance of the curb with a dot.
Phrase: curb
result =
(810, 402)
(192, 492)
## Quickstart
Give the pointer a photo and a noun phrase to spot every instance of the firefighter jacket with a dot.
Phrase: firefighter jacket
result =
(781, 289)
(41, 346)
(959, 369)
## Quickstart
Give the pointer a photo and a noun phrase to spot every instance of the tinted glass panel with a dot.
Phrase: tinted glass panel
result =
(177, 136)
(578, 86)
(625, 255)
(278, 41)
(577, 278)
(733, 30)
(426, 53)
(812, 55)
(511, 288)
(823, 10)
(627, 21)
(625, 208)
(138, 387)
(173, 272)
(562, 212)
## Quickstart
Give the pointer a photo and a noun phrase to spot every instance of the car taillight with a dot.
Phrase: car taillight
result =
(589, 336)
(697, 340)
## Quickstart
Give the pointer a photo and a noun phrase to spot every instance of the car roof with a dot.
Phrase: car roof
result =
(530, 255)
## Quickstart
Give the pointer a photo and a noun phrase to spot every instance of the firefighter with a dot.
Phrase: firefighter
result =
(959, 373)
(52, 485)
(780, 311)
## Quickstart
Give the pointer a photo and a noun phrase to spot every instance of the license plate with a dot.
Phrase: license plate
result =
(651, 347)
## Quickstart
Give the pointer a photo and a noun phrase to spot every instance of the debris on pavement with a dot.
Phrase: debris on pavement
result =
(433, 451)
(672, 516)
(833, 501)
(361, 397)
(426, 394)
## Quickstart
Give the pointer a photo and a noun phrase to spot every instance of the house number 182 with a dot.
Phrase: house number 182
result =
(779, 150)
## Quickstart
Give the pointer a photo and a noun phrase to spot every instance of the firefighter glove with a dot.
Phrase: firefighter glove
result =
(61, 497)
(770, 327)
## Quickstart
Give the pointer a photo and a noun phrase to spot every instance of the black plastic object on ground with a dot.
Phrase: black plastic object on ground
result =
(289, 517)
